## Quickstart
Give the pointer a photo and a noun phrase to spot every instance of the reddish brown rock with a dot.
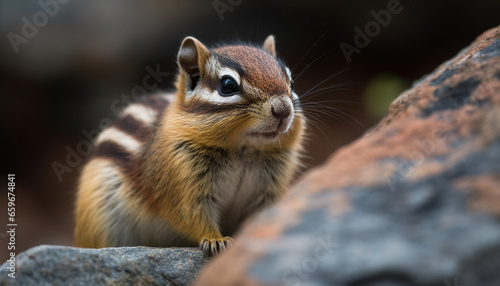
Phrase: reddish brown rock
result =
(415, 201)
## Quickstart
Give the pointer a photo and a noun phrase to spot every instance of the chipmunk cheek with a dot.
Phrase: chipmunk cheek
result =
(237, 126)
(249, 123)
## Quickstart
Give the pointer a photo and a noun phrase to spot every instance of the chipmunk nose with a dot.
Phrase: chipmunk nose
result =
(280, 108)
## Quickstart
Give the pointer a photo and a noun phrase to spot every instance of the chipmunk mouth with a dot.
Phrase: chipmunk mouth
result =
(281, 128)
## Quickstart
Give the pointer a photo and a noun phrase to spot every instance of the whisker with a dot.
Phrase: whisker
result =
(311, 110)
(317, 93)
(329, 88)
(342, 113)
(300, 74)
(327, 114)
(310, 48)
(313, 106)
(325, 80)
(317, 125)
(326, 101)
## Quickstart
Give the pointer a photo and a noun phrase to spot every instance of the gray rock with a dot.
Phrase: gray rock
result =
(61, 265)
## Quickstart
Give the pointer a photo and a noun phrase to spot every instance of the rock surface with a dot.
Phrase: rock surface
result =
(415, 201)
(61, 265)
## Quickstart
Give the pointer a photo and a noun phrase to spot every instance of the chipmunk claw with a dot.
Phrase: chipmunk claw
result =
(211, 247)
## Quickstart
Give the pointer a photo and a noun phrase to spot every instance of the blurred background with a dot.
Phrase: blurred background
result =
(63, 65)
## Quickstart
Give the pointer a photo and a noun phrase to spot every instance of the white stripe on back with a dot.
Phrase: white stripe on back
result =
(140, 112)
(121, 138)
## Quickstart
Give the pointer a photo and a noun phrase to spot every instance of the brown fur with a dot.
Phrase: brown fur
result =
(192, 180)
(261, 69)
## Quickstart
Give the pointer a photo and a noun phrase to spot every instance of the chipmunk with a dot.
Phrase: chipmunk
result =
(186, 168)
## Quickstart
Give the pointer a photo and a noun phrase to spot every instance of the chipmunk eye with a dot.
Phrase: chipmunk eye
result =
(228, 86)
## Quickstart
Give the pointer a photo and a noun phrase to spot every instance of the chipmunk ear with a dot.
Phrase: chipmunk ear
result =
(269, 45)
(192, 58)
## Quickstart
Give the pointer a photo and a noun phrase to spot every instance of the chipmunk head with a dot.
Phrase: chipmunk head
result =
(237, 95)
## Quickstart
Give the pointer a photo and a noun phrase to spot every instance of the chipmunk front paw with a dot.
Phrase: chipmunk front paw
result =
(211, 247)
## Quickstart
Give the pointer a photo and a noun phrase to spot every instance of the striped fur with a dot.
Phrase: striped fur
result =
(187, 168)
